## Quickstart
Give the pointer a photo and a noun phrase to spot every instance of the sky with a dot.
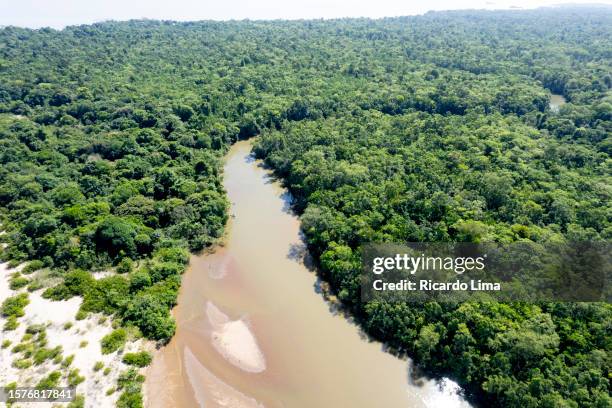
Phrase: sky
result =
(60, 13)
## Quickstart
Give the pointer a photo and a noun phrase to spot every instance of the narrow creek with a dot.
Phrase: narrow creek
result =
(254, 331)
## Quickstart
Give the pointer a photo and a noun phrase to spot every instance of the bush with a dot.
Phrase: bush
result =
(15, 305)
(50, 381)
(162, 270)
(18, 282)
(43, 354)
(107, 295)
(131, 384)
(11, 323)
(76, 283)
(74, 378)
(22, 363)
(125, 266)
(33, 266)
(140, 359)
(151, 316)
(78, 402)
(113, 341)
(139, 280)
(67, 362)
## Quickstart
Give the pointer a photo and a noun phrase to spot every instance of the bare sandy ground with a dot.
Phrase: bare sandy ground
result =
(211, 391)
(234, 340)
(82, 340)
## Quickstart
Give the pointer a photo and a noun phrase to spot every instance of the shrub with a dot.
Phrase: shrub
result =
(78, 402)
(74, 378)
(43, 354)
(11, 323)
(151, 316)
(22, 363)
(34, 285)
(18, 282)
(125, 266)
(33, 266)
(14, 306)
(67, 362)
(107, 295)
(139, 359)
(113, 341)
(139, 280)
(50, 381)
(131, 384)
(76, 283)
(35, 329)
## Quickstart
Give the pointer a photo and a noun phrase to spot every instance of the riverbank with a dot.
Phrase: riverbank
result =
(234, 340)
(254, 328)
(80, 360)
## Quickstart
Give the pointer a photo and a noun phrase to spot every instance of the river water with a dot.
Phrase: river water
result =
(313, 356)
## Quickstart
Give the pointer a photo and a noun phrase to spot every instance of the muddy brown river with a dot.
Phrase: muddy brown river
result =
(291, 349)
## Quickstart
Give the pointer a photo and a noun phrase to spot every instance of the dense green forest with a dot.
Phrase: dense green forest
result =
(427, 128)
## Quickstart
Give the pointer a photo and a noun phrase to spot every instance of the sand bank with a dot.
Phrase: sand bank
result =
(211, 391)
(235, 341)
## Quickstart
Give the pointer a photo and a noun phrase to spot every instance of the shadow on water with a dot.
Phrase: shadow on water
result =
(250, 158)
(298, 252)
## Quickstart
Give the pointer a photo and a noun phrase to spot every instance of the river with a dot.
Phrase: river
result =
(308, 355)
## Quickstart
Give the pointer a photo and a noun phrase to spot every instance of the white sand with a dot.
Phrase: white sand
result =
(5, 275)
(235, 341)
(102, 274)
(55, 314)
(211, 391)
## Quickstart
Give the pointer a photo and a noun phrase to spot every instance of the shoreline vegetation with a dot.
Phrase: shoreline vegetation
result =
(427, 128)
(50, 338)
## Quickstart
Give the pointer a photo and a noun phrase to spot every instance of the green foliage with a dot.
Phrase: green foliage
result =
(125, 266)
(139, 359)
(424, 128)
(50, 381)
(151, 316)
(113, 341)
(130, 382)
(11, 323)
(78, 402)
(74, 378)
(14, 306)
(76, 283)
(17, 281)
(32, 266)
(43, 354)
(67, 362)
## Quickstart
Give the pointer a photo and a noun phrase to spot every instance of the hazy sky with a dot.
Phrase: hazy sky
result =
(59, 13)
